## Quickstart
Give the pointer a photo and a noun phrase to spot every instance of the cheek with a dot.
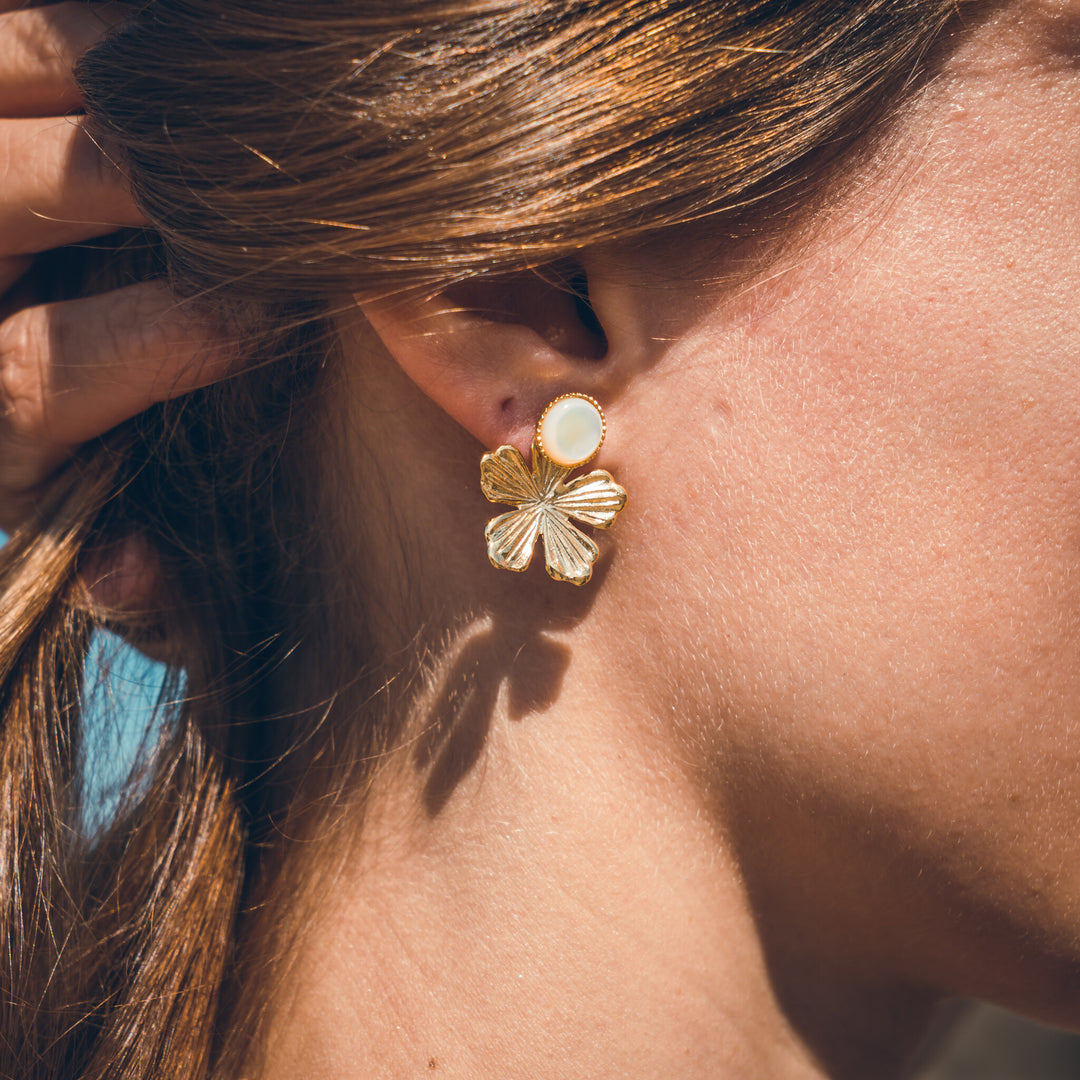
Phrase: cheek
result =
(909, 525)
(859, 600)
(854, 556)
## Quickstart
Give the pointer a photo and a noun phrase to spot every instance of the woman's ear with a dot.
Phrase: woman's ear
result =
(493, 352)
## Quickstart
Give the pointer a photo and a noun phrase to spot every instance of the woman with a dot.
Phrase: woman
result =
(798, 762)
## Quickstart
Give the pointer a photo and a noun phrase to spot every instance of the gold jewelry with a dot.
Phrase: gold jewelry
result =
(570, 432)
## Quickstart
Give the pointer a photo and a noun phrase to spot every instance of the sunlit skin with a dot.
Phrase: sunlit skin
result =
(803, 758)
(807, 758)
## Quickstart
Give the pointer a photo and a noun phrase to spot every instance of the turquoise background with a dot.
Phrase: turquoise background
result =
(121, 695)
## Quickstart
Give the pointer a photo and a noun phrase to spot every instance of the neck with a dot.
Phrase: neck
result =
(536, 892)
(537, 883)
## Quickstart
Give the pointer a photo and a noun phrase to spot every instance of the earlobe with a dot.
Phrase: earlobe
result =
(493, 353)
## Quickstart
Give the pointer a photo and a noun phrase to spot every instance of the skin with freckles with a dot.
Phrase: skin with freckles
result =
(893, 627)
(804, 757)
(807, 758)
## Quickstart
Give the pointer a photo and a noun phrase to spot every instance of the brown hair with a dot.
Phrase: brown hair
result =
(289, 153)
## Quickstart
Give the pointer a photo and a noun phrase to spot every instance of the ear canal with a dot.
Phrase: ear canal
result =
(552, 301)
(578, 286)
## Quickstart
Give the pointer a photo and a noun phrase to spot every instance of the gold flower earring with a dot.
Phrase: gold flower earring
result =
(569, 433)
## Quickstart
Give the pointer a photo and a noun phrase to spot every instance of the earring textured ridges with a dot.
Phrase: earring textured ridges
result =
(569, 433)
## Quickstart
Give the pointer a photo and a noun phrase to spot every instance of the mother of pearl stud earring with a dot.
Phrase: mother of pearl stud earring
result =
(570, 432)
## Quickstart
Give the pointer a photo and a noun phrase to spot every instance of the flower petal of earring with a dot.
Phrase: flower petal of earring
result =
(569, 433)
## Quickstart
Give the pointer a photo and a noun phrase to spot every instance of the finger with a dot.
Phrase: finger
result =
(71, 371)
(38, 50)
(57, 187)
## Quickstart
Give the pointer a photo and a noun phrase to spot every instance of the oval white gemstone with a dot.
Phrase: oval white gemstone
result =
(571, 431)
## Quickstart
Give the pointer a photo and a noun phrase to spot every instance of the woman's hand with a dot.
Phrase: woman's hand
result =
(70, 371)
